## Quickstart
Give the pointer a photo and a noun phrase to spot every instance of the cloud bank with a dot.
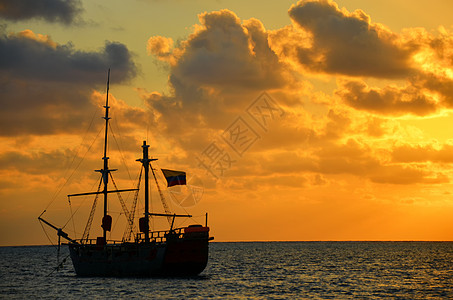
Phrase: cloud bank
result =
(217, 69)
(46, 87)
(346, 43)
(61, 11)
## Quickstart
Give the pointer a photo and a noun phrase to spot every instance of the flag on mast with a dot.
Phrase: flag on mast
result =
(174, 177)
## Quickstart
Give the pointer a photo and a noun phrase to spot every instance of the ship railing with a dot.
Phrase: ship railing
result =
(154, 236)
(160, 236)
(95, 242)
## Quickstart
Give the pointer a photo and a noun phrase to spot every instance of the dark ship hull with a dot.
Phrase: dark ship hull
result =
(175, 254)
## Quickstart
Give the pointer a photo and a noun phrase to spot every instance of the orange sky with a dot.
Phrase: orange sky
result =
(309, 120)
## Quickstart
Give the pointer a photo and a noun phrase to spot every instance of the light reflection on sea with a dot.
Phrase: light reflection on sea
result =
(268, 270)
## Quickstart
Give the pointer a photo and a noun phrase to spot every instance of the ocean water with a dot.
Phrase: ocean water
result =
(255, 270)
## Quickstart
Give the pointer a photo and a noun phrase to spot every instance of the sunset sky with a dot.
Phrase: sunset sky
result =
(300, 121)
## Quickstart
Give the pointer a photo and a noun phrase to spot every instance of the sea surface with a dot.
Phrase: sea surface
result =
(252, 270)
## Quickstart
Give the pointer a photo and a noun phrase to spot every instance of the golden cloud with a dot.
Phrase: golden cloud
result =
(224, 63)
(161, 47)
(326, 39)
(390, 100)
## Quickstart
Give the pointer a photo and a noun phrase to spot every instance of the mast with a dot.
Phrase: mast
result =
(145, 162)
(106, 171)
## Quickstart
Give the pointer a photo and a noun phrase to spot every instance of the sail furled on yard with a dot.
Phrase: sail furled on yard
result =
(174, 177)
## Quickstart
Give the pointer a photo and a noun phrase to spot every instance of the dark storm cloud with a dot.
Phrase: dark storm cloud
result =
(37, 57)
(63, 11)
(46, 88)
(339, 42)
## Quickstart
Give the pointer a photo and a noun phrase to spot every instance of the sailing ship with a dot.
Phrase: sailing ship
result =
(174, 252)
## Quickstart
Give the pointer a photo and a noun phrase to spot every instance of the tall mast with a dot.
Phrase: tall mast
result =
(106, 171)
(146, 162)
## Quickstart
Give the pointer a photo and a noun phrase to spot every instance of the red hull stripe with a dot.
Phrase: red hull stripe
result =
(196, 229)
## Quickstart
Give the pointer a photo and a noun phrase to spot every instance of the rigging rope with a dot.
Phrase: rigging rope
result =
(123, 205)
(72, 216)
(57, 268)
(75, 169)
(121, 152)
(45, 232)
(54, 197)
(127, 234)
(59, 264)
(162, 198)
(86, 232)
